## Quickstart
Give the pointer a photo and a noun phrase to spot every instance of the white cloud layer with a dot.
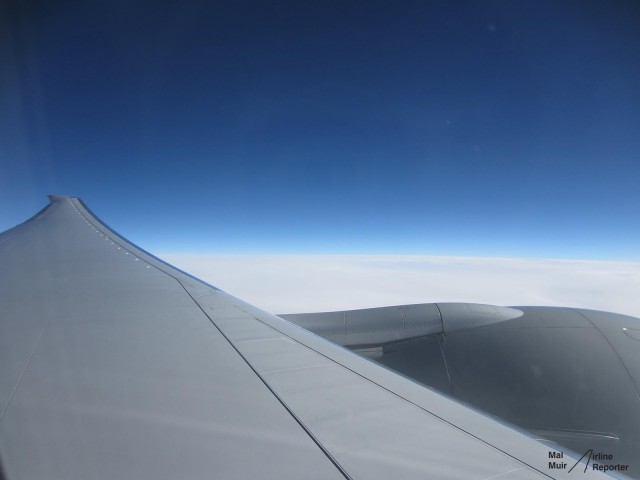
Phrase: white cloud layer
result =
(311, 283)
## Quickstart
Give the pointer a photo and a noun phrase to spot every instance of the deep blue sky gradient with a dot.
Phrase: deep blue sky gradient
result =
(460, 128)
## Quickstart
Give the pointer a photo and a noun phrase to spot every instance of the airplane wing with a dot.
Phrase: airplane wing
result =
(114, 364)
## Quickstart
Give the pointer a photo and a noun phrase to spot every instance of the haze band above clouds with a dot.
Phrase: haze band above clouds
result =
(312, 283)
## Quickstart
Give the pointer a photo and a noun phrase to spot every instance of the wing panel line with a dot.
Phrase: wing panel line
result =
(26, 365)
(266, 384)
(624, 367)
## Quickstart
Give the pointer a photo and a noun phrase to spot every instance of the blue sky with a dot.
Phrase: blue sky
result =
(441, 128)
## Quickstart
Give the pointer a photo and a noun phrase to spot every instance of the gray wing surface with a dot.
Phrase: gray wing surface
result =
(114, 364)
